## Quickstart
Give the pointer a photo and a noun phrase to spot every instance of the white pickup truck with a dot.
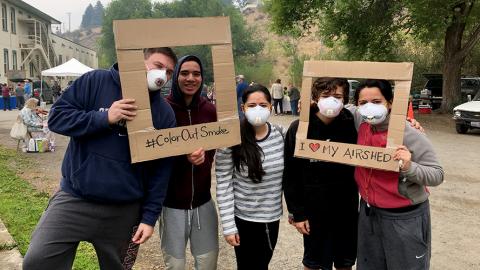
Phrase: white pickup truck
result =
(467, 115)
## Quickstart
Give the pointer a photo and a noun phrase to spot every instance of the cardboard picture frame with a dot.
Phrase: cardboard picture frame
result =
(145, 142)
(352, 154)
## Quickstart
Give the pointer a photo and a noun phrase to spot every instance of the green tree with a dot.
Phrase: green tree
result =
(375, 29)
(87, 17)
(119, 10)
(258, 70)
(243, 38)
(99, 12)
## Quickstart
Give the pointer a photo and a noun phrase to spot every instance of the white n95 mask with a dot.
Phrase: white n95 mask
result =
(330, 107)
(257, 116)
(373, 114)
(156, 78)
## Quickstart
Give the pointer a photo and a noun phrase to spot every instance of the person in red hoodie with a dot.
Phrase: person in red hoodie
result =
(394, 230)
(189, 212)
(6, 97)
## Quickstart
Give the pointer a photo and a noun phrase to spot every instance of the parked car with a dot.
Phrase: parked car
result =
(45, 92)
(432, 91)
(467, 115)
(353, 87)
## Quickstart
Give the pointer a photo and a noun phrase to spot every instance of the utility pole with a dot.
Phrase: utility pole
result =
(69, 24)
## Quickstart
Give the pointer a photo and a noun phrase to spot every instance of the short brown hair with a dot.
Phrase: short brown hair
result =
(147, 52)
(329, 85)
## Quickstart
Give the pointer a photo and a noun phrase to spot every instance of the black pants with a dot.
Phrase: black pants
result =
(6, 102)
(257, 242)
(20, 102)
(276, 102)
(69, 220)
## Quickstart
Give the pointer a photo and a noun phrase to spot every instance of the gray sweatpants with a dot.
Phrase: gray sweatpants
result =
(69, 220)
(394, 241)
(200, 225)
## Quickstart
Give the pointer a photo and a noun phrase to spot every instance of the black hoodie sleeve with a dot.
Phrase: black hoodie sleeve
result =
(293, 177)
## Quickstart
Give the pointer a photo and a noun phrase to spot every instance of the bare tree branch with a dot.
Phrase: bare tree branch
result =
(472, 41)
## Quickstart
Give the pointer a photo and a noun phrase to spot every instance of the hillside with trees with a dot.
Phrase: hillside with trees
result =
(93, 16)
(90, 28)
(247, 45)
(445, 32)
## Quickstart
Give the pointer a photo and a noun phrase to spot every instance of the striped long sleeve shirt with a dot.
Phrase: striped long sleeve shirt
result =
(238, 195)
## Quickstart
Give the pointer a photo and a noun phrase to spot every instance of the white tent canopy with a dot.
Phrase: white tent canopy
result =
(70, 68)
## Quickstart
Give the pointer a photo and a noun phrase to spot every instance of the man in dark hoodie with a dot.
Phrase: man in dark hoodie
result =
(189, 212)
(104, 199)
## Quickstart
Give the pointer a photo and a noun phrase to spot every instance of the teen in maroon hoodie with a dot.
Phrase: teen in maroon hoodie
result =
(189, 212)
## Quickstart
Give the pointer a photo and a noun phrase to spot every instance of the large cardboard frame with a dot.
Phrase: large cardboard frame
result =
(352, 154)
(131, 36)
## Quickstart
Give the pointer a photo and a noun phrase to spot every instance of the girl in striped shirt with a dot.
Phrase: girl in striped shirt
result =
(249, 183)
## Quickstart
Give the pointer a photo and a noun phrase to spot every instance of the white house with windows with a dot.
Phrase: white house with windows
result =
(28, 46)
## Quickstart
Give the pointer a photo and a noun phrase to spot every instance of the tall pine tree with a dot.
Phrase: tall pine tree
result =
(93, 16)
(87, 17)
(99, 12)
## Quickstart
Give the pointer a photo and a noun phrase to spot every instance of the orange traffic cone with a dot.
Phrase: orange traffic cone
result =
(410, 111)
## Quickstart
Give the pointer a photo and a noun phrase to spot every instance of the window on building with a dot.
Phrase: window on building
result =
(6, 65)
(14, 60)
(31, 67)
(13, 21)
(4, 18)
(37, 58)
(23, 58)
(60, 58)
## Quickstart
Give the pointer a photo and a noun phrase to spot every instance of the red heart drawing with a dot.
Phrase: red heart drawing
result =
(314, 146)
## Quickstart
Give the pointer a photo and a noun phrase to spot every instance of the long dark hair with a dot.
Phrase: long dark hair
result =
(249, 153)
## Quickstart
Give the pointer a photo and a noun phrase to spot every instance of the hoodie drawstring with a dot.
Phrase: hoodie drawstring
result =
(198, 219)
(189, 217)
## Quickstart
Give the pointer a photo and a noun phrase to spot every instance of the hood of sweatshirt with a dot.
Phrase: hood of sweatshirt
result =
(176, 96)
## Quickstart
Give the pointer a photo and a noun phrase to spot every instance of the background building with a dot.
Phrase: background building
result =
(28, 46)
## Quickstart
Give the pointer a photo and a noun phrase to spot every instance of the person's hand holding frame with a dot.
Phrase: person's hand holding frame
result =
(146, 143)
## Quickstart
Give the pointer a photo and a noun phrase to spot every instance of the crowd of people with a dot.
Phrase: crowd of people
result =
(32, 116)
(347, 215)
(285, 99)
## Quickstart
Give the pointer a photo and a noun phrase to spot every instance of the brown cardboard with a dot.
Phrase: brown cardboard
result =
(149, 33)
(146, 143)
(358, 155)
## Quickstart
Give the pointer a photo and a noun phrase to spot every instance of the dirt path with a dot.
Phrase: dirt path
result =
(455, 204)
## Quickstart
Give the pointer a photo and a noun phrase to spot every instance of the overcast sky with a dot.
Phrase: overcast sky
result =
(59, 9)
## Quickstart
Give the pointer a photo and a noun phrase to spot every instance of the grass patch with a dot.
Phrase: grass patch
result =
(21, 207)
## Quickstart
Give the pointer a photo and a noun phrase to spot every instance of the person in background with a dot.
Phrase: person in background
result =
(6, 97)
(20, 94)
(294, 95)
(104, 198)
(56, 89)
(31, 116)
(241, 86)
(322, 196)
(211, 94)
(277, 94)
(189, 213)
(394, 229)
(249, 183)
(204, 92)
(28, 89)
